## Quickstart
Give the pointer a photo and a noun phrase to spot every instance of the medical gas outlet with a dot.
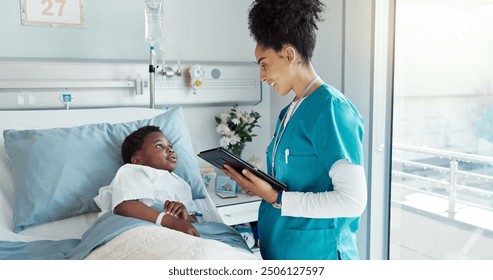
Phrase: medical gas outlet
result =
(197, 73)
(66, 98)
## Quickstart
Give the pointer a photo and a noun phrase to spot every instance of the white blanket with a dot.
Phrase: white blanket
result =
(151, 242)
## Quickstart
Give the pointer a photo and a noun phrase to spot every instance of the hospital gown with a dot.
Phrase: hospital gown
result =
(148, 185)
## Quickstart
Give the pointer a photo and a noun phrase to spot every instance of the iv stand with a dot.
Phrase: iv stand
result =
(167, 72)
(152, 72)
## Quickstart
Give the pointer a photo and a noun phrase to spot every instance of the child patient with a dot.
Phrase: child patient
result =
(146, 188)
(146, 183)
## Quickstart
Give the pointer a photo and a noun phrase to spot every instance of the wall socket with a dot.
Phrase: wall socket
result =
(32, 98)
(20, 98)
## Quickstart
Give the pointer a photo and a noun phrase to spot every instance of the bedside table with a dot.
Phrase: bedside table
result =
(236, 210)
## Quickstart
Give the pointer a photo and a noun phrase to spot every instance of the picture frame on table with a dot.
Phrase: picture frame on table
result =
(226, 187)
(209, 179)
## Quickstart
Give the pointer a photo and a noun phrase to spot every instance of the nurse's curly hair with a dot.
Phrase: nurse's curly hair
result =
(133, 142)
(275, 23)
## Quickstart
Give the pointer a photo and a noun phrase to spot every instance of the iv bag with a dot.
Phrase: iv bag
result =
(154, 19)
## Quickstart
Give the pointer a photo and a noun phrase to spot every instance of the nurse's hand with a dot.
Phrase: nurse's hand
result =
(252, 184)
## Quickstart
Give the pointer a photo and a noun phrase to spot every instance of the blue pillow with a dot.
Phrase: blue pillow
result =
(57, 172)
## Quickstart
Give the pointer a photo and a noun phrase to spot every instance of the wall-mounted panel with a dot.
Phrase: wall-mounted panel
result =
(25, 86)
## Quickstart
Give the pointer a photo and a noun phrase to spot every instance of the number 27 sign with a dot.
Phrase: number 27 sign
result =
(52, 12)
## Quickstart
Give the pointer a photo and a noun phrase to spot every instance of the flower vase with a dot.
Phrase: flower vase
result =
(237, 150)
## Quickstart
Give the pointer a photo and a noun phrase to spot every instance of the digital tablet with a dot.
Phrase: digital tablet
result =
(220, 156)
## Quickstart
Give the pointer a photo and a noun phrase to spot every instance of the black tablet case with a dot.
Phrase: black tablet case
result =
(220, 156)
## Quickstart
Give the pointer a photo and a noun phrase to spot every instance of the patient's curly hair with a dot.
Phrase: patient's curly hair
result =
(275, 23)
(133, 142)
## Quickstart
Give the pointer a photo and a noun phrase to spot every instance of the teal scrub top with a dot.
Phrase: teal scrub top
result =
(325, 127)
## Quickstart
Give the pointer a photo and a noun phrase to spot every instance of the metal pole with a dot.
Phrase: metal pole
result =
(454, 167)
(152, 71)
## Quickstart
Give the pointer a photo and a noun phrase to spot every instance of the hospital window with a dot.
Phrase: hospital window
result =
(442, 131)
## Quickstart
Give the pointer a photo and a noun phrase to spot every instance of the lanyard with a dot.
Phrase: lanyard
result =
(282, 125)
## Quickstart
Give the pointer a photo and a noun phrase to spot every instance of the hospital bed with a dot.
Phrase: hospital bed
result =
(52, 164)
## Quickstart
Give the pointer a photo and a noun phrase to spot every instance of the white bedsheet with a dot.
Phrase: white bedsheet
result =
(160, 243)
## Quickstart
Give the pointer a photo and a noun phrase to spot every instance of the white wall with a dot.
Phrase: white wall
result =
(208, 30)
(115, 29)
(357, 82)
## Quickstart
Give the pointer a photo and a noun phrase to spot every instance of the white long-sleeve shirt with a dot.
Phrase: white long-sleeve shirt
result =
(348, 199)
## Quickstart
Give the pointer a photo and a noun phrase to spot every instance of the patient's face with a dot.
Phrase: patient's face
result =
(157, 152)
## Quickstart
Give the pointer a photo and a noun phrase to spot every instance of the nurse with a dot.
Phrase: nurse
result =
(316, 149)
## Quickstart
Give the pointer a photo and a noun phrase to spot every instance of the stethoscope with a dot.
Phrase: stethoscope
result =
(279, 133)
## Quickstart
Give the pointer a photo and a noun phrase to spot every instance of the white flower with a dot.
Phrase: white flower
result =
(224, 117)
(242, 132)
(235, 139)
(224, 142)
(250, 119)
(223, 129)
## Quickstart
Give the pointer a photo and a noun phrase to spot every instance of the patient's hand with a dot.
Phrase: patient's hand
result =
(178, 210)
(180, 225)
